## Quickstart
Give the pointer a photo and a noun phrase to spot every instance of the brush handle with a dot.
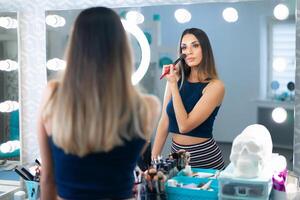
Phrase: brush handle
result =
(165, 73)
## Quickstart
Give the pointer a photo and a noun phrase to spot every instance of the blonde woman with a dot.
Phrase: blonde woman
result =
(93, 122)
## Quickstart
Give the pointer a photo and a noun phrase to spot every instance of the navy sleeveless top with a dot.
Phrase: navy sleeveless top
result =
(190, 94)
(97, 175)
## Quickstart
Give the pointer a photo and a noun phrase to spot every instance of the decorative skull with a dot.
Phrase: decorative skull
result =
(251, 150)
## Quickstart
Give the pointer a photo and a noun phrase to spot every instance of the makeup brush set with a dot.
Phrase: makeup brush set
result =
(31, 175)
(150, 184)
(173, 178)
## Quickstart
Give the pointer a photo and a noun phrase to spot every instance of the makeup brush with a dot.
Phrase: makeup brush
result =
(181, 57)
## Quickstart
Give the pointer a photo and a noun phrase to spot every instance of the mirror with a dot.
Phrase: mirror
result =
(9, 94)
(244, 52)
(9, 103)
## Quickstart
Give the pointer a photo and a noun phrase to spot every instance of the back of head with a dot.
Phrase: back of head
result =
(207, 66)
(95, 99)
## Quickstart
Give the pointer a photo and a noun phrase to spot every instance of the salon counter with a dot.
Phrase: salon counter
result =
(8, 188)
(9, 180)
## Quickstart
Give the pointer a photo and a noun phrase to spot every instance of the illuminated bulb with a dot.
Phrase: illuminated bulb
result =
(56, 64)
(182, 16)
(281, 12)
(55, 21)
(230, 15)
(10, 146)
(279, 115)
(145, 47)
(279, 64)
(8, 65)
(135, 17)
(8, 22)
(9, 106)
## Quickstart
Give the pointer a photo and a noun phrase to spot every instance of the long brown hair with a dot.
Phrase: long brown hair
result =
(95, 106)
(207, 66)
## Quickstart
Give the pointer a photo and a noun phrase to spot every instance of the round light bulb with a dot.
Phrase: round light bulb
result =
(230, 15)
(9, 106)
(182, 15)
(55, 21)
(135, 17)
(281, 12)
(279, 115)
(56, 64)
(279, 64)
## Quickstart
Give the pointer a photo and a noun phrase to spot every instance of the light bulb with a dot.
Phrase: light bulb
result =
(230, 15)
(182, 15)
(55, 21)
(279, 115)
(8, 65)
(9, 106)
(281, 12)
(10, 146)
(135, 17)
(56, 64)
(279, 64)
(8, 22)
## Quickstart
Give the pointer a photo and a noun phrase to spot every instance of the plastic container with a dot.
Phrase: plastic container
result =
(181, 193)
(205, 172)
(231, 187)
(33, 190)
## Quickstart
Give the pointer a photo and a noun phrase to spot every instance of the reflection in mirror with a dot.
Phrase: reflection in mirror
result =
(9, 106)
(246, 46)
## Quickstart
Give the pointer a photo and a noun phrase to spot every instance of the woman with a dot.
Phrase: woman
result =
(191, 103)
(93, 123)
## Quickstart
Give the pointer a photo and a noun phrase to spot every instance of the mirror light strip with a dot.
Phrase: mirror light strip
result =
(9, 106)
(145, 47)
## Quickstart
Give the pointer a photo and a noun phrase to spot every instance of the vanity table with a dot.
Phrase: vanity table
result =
(9, 180)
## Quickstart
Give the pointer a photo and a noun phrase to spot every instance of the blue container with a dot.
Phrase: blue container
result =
(200, 170)
(33, 190)
(181, 193)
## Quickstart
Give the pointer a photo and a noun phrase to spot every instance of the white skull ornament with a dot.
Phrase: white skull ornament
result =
(251, 150)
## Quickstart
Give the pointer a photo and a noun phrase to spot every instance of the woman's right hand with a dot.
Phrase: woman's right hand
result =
(171, 73)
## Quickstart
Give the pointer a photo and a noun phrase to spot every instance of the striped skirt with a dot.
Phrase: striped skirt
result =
(202, 155)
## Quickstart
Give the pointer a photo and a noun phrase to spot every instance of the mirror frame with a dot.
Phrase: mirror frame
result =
(32, 45)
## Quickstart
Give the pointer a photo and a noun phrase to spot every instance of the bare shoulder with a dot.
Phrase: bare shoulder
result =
(52, 85)
(50, 88)
(216, 85)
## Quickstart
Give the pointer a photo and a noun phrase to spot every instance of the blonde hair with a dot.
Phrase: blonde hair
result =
(95, 107)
